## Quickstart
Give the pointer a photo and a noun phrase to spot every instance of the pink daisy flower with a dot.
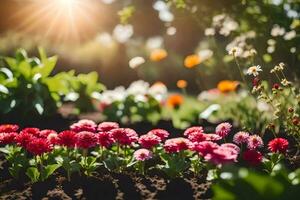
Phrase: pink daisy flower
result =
(163, 134)
(149, 140)
(254, 142)
(107, 126)
(241, 137)
(176, 145)
(84, 125)
(223, 129)
(142, 154)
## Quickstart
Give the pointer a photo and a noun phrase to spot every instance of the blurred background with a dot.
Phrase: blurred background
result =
(154, 40)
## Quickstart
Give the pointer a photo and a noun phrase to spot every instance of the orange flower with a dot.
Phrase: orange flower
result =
(158, 54)
(181, 84)
(175, 100)
(227, 86)
(192, 61)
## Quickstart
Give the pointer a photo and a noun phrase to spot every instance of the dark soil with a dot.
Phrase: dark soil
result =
(105, 185)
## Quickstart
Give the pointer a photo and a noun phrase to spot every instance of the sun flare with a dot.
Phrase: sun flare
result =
(60, 20)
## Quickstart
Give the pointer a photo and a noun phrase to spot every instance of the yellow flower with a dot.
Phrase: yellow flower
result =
(192, 61)
(227, 86)
(158, 54)
(181, 84)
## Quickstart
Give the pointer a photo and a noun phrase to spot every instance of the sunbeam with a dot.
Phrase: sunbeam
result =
(59, 20)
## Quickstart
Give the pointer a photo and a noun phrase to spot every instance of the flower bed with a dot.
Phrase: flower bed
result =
(120, 161)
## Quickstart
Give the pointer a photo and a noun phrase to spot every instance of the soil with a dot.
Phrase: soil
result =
(104, 185)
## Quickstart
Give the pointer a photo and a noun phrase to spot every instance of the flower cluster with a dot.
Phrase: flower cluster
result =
(126, 146)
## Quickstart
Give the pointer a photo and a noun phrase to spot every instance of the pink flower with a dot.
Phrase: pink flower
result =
(142, 154)
(204, 148)
(107, 126)
(67, 138)
(241, 137)
(222, 155)
(33, 131)
(163, 134)
(194, 129)
(86, 139)
(105, 139)
(84, 125)
(53, 138)
(176, 145)
(7, 138)
(253, 157)
(46, 132)
(254, 141)
(38, 146)
(124, 136)
(8, 128)
(223, 129)
(24, 138)
(149, 140)
(278, 145)
(231, 145)
(212, 137)
(197, 137)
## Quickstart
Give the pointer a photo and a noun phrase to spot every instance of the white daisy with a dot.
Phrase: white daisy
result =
(254, 70)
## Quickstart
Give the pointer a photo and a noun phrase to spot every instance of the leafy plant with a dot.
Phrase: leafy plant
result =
(40, 170)
(239, 183)
(17, 158)
(23, 85)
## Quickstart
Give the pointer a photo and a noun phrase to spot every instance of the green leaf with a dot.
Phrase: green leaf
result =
(49, 170)
(25, 69)
(33, 173)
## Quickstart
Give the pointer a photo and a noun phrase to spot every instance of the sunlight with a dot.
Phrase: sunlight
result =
(61, 20)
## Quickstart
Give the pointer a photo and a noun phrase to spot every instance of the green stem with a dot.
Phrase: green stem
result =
(241, 72)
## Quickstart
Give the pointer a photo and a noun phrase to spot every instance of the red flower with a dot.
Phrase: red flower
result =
(33, 131)
(105, 139)
(53, 138)
(84, 125)
(276, 86)
(46, 132)
(253, 157)
(107, 126)
(38, 146)
(24, 138)
(67, 138)
(278, 145)
(8, 128)
(255, 82)
(7, 138)
(86, 139)
(124, 136)
(161, 133)
(176, 145)
(149, 140)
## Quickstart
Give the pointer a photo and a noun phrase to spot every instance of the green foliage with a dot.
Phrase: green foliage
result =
(17, 159)
(175, 164)
(89, 164)
(24, 88)
(247, 184)
(132, 110)
(28, 89)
